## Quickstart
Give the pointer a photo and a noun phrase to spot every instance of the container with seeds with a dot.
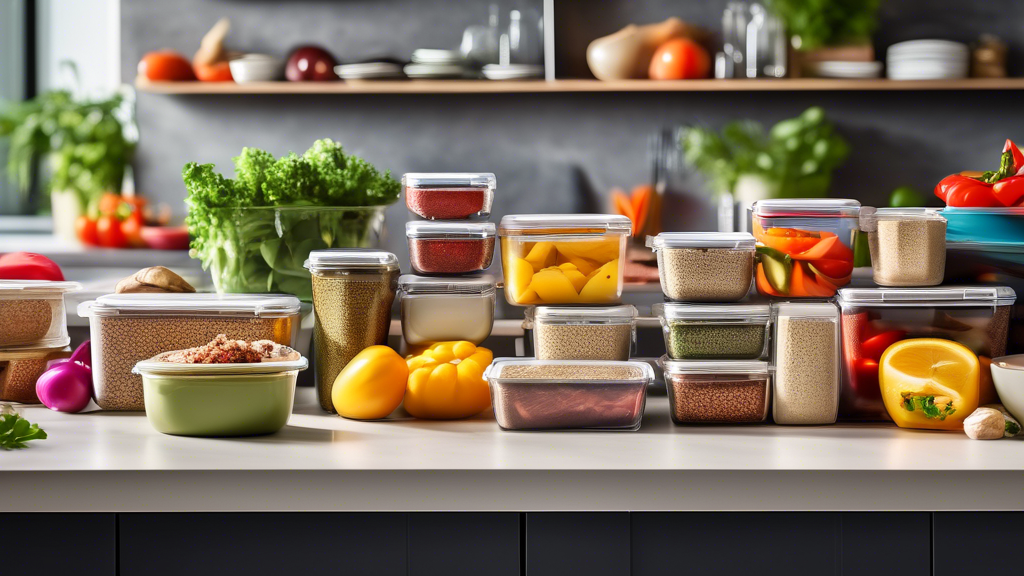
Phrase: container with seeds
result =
(32, 313)
(714, 331)
(704, 266)
(717, 391)
(449, 196)
(450, 247)
(908, 245)
(439, 309)
(127, 328)
(353, 290)
(582, 333)
(19, 370)
(530, 394)
(806, 388)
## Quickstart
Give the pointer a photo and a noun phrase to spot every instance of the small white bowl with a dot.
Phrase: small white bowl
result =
(1008, 376)
(256, 68)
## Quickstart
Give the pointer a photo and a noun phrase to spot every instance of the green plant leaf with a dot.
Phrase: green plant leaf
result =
(15, 431)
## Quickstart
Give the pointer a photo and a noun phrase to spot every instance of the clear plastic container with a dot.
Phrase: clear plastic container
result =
(714, 331)
(875, 318)
(563, 258)
(530, 394)
(450, 247)
(32, 313)
(807, 352)
(582, 333)
(805, 246)
(704, 266)
(717, 391)
(353, 291)
(908, 245)
(449, 196)
(19, 370)
(127, 328)
(994, 226)
(446, 309)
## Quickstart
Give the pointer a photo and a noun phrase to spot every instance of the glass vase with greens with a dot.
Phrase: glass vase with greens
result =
(254, 232)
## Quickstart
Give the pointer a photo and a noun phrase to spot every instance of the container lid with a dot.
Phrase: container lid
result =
(468, 285)
(720, 240)
(994, 211)
(484, 180)
(932, 296)
(13, 287)
(564, 223)
(587, 369)
(449, 230)
(154, 366)
(351, 259)
(804, 207)
(734, 312)
(713, 366)
(622, 314)
(812, 309)
(33, 353)
(191, 304)
(869, 216)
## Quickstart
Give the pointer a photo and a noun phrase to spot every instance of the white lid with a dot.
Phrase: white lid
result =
(733, 312)
(720, 240)
(154, 366)
(191, 304)
(932, 296)
(494, 371)
(12, 287)
(621, 314)
(585, 223)
(807, 309)
(368, 259)
(469, 285)
(713, 366)
(870, 216)
(804, 207)
(483, 180)
(449, 230)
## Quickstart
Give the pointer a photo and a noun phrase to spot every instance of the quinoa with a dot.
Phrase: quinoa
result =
(705, 274)
(909, 252)
(695, 341)
(806, 372)
(582, 341)
(571, 372)
(711, 398)
(26, 321)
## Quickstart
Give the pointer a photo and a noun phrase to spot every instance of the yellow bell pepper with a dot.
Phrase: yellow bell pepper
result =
(929, 383)
(372, 384)
(447, 381)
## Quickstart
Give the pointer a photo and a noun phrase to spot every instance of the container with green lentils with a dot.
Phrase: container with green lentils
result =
(717, 391)
(807, 354)
(704, 266)
(353, 290)
(582, 333)
(32, 314)
(736, 331)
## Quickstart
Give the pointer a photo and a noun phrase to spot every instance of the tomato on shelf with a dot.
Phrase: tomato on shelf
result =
(131, 229)
(680, 59)
(165, 65)
(85, 231)
(108, 232)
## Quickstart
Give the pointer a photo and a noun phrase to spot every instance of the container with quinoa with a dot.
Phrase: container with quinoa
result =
(717, 391)
(908, 245)
(736, 331)
(128, 328)
(704, 266)
(19, 370)
(582, 333)
(449, 196)
(450, 247)
(32, 313)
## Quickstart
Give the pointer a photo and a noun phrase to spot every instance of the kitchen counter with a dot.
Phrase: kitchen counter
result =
(116, 462)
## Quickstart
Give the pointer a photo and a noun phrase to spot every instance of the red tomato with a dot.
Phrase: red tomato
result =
(219, 72)
(131, 228)
(166, 65)
(108, 232)
(85, 230)
(680, 59)
(865, 379)
(875, 346)
(28, 266)
(109, 203)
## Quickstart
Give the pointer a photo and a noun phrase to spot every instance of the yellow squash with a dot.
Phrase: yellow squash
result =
(929, 383)
(372, 385)
(446, 381)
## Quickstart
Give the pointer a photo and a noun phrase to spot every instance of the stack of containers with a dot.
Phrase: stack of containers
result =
(568, 269)
(715, 370)
(33, 331)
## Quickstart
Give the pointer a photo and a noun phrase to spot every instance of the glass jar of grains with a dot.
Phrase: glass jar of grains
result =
(908, 245)
(714, 331)
(704, 266)
(807, 355)
(443, 309)
(717, 391)
(582, 333)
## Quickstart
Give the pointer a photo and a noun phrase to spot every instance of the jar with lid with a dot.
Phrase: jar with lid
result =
(582, 333)
(438, 309)
(807, 376)
(717, 391)
(704, 266)
(449, 195)
(450, 247)
(908, 245)
(736, 331)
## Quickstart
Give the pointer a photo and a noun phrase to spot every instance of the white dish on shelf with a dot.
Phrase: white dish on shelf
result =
(435, 56)
(512, 71)
(438, 71)
(256, 68)
(369, 70)
(842, 69)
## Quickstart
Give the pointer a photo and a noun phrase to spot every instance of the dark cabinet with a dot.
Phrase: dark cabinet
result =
(977, 543)
(53, 543)
(464, 544)
(591, 543)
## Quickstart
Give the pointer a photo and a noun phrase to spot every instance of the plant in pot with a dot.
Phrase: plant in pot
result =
(828, 30)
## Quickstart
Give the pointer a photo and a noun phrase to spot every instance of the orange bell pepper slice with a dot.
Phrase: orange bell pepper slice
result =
(805, 285)
(763, 286)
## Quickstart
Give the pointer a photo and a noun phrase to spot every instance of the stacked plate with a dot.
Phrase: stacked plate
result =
(369, 71)
(428, 63)
(928, 60)
(512, 71)
(842, 69)
(437, 57)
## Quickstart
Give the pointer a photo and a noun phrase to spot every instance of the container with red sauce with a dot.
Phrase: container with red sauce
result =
(449, 196)
(450, 247)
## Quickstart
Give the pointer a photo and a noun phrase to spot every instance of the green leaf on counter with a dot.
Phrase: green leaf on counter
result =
(15, 431)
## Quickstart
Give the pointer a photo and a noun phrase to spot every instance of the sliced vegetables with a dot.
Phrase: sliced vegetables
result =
(992, 189)
(795, 262)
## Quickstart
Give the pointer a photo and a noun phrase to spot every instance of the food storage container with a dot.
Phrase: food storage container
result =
(704, 266)
(1008, 378)
(32, 313)
(1002, 225)
(19, 370)
(805, 246)
(219, 399)
(450, 247)
(714, 331)
(717, 391)
(449, 196)
(127, 328)
(353, 291)
(875, 318)
(806, 351)
(446, 309)
(582, 333)
(908, 245)
(563, 258)
(530, 394)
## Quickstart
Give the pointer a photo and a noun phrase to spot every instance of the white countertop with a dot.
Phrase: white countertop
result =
(117, 462)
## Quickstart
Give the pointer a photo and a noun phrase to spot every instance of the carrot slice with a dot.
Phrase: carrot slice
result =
(818, 251)
(804, 284)
(642, 196)
(763, 286)
(623, 206)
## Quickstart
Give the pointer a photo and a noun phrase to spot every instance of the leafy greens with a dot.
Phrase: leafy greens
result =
(15, 431)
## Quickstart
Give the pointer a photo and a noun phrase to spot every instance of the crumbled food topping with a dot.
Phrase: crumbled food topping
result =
(224, 351)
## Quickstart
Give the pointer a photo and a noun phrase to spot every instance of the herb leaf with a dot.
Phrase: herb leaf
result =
(15, 431)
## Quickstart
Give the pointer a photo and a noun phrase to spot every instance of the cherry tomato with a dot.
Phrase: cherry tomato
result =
(865, 379)
(109, 203)
(875, 346)
(166, 65)
(131, 228)
(85, 230)
(108, 232)
(218, 72)
(680, 59)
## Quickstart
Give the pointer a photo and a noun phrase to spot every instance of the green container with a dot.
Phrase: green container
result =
(219, 399)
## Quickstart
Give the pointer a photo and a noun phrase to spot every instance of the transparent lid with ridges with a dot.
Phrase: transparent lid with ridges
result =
(192, 304)
(565, 224)
(449, 230)
(931, 296)
(806, 207)
(870, 216)
(449, 180)
(753, 313)
(824, 309)
(468, 285)
(622, 314)
(714, 366)
(340, 259)
(645, 374)
(41, 287)
(717, 240)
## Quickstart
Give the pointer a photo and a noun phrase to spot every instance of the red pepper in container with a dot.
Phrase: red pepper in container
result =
(449, 196)
(450, 247)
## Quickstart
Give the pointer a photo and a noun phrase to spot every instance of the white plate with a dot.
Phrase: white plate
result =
(432, 56)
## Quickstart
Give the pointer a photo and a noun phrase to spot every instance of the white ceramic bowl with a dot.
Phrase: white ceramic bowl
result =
(256, 68)
(1008, 376)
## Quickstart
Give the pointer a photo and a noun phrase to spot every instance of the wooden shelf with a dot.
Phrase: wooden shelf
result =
(536, 86)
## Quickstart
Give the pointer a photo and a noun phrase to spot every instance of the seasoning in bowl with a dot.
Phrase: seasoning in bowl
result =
(717, 392)
(582, 333)
(704, 266)
(907, 245)
(736, 331)
(449, 196)
(450, 247)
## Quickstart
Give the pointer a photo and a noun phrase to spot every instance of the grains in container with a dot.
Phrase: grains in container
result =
(19, 370)
(908, 245)
(32, 313)
(704, 266)
(450, 247)
(717, 392)
(353, 290)
(446, 309)
(806, 387)
(714, 331)
(449, 196)
(582, 333)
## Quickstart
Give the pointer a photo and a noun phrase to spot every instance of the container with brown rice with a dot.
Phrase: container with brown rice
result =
(908, 245)
(717, 391)
(704, 266)
(582, 333)
(32, 313)
(19, 370)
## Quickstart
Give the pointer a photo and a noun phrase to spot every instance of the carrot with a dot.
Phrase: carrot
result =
(624, 206)
(641, 201)
(804, 284)
(763, 286)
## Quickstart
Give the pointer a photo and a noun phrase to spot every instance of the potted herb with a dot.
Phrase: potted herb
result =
(822, 30)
